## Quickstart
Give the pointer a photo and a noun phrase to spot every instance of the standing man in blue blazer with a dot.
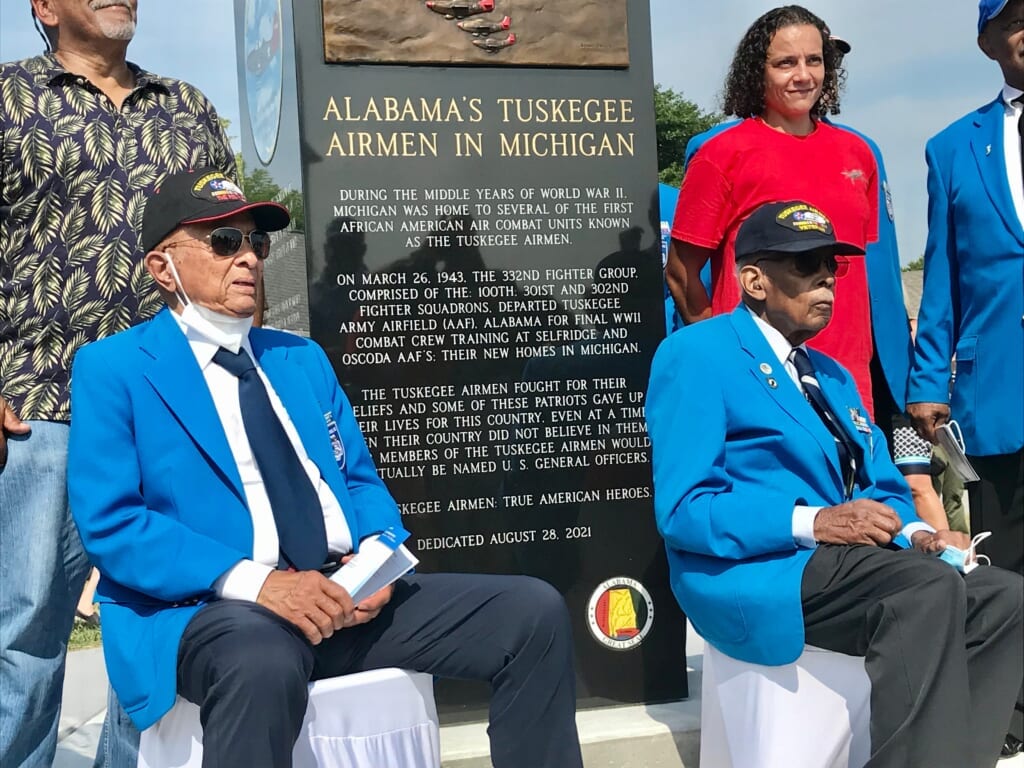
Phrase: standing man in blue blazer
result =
(787, 523)
(217, 470)
(973, 301)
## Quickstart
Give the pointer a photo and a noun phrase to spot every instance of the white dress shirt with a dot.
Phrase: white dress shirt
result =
(245, 579)
(803, 516)
(1011, 147)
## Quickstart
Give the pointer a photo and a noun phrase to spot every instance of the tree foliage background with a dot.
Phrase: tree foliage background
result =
(259, 186)
(677, 120)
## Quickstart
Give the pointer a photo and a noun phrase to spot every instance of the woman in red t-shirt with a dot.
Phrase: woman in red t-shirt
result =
(784, 78)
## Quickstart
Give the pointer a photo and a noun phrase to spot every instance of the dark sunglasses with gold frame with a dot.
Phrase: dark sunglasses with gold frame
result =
(227, 241)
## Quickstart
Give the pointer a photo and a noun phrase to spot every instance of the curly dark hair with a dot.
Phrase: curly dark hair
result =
(744, 87)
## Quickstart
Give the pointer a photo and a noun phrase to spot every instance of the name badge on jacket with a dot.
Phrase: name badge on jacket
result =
(862, 425)
(860, 422)
(335, 436)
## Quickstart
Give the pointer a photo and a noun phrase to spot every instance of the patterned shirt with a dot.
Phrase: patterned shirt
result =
(75, 173)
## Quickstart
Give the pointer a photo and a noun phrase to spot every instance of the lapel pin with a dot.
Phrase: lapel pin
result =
(988, 149)
(765, 368)
(773, 383)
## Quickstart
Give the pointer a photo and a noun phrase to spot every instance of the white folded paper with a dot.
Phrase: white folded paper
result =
(381, 560)
(952, 442)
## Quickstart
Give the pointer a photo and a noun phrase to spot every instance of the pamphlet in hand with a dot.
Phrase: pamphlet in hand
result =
(381, 560)
(952, 442)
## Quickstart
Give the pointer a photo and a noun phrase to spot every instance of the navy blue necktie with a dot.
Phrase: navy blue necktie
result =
(298, 514)
(814, 395)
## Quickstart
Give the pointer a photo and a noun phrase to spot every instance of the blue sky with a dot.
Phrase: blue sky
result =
(914, 68)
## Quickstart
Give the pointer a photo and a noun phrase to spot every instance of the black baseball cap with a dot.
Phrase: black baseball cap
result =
(843, 46)
(199, 196)
(789, 227)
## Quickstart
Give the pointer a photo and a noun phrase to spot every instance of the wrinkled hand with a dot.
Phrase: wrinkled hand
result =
(927, 417)
(371, 606)
(861, 521)
(310, 601)
(9, 423)
(934, 543)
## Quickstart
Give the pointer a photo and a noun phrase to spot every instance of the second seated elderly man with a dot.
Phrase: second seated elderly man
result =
(204, 480)
(787, 523)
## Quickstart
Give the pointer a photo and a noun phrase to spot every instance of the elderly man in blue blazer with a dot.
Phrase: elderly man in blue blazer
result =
(216, 470)
(787, 523)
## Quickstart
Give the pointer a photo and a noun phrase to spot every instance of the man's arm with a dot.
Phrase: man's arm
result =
(220, 154)
(9, 423)
(697, 506)
(882, 516)
(132, 544)
(682, 273)
(928, 391)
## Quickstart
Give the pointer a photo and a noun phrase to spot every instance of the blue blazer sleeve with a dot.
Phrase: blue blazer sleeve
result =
(697, 506)
(129, 542)
(929, 381)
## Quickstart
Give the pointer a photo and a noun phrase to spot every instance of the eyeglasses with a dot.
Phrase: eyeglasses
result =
(227, 241)
(808, 263)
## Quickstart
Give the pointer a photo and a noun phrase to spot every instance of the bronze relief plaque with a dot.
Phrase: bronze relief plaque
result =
(551, 33)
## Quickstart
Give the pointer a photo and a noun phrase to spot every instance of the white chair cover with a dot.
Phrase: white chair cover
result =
(813, 713)
(385, 717)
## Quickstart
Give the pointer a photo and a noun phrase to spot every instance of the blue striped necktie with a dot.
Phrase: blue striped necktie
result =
(298, 514)
(812, 391)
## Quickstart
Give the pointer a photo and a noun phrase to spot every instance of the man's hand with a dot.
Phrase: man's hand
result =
(371, 606)
(927, 417)
(934, 543)
(9, 423)
(861, 521)
(310, 601)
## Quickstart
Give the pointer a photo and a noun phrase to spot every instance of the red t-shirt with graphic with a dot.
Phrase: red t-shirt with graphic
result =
(742, 168)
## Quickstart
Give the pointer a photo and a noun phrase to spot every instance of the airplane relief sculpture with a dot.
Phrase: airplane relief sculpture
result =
(517, 33)
(480, 28)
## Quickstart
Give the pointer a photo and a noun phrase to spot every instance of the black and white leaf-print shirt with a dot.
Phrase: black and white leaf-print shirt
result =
(75, 173)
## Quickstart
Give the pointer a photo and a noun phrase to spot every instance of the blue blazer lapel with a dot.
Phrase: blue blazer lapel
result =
(988, 149)
(785, 393)
(177, 379)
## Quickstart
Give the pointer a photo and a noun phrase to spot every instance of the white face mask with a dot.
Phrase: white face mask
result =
(223, 330)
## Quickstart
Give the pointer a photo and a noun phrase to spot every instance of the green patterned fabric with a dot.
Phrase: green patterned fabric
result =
(75, 173)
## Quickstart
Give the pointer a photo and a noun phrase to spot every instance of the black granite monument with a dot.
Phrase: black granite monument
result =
(477, 248)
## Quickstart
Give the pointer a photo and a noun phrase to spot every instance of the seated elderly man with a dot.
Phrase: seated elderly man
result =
(216, 468)
(786, 522)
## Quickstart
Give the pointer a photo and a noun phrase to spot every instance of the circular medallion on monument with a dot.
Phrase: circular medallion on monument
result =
(263, 73)
(620, 613)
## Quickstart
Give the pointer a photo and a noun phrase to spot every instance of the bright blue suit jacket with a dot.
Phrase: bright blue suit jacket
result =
(973, 302)
(732, 456)
(891, 330)
(157, 496)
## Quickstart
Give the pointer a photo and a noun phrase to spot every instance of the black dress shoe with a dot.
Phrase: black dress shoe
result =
(1012, 746)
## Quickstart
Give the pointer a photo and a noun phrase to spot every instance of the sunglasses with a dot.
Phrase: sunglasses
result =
(808, 263)
(227, 241)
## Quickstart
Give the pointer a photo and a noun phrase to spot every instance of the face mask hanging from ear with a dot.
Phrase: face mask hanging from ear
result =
(223, 330)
